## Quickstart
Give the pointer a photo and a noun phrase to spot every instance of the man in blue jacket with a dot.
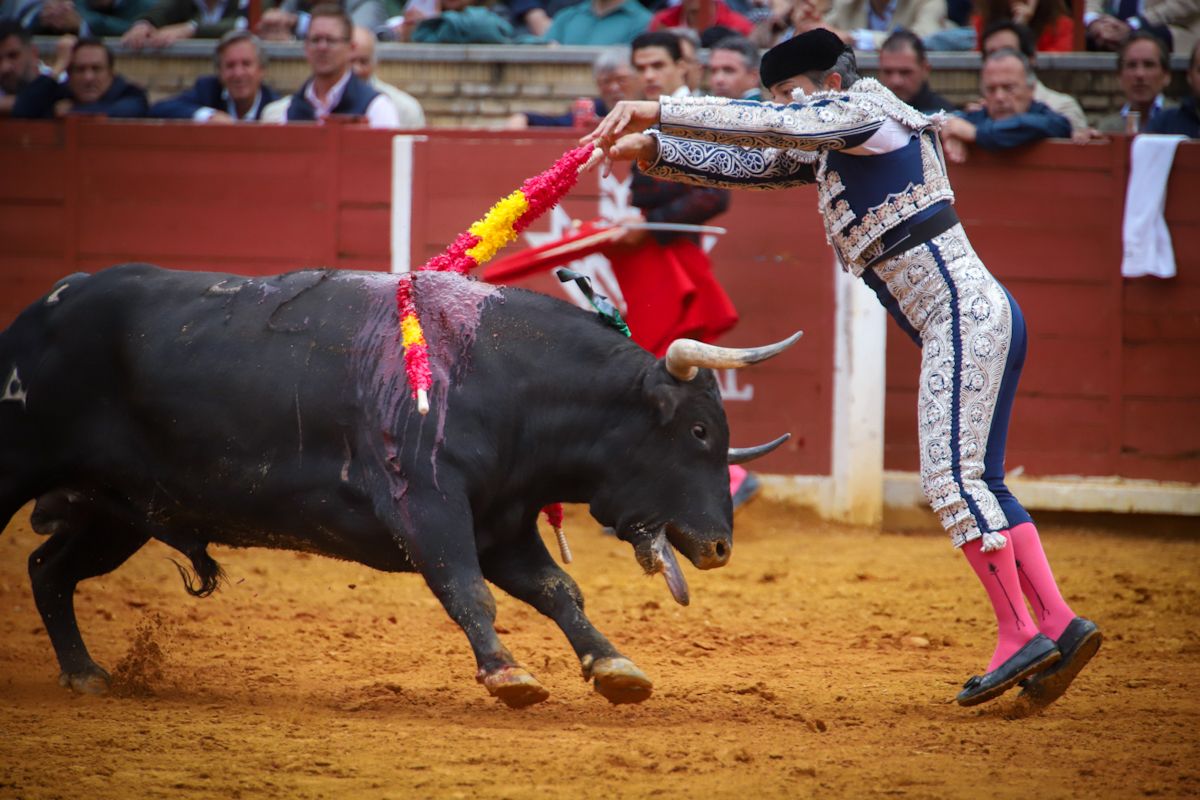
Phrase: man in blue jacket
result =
(236, 93)
(1010, 117)
(91, 88)
(1184, 119)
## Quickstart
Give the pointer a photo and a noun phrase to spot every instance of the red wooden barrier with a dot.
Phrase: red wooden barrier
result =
(1111, 387)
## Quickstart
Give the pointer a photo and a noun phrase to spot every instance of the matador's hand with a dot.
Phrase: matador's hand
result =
(628, 116)
(631, 147)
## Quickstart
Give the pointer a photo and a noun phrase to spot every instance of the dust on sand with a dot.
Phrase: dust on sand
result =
(822, 661)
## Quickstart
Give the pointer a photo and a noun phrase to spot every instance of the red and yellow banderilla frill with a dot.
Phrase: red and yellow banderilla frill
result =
(501, 225)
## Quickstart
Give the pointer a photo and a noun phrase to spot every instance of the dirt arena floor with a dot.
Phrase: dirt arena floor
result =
(821, 662)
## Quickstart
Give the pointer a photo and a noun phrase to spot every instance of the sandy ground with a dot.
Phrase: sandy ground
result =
(821, 662)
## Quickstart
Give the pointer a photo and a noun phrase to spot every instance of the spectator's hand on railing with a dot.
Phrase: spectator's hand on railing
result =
(1086, 135)
(1108, 32)
(169, 34)
(956, 132)
(139, 35)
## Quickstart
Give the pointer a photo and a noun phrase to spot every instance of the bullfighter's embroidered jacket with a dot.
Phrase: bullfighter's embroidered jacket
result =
(867, 202)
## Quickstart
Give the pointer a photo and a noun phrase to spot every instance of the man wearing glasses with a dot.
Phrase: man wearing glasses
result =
(333, 88)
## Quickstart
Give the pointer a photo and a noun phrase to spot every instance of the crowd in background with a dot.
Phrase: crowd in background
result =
(339, 45)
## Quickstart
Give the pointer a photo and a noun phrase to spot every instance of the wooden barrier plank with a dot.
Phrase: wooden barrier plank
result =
(1160, 440)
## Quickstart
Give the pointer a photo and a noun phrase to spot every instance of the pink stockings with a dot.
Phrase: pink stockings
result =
(1021, 566)
(737, 474)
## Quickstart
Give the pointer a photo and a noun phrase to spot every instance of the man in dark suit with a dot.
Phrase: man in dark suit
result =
(91, 87)
(236, 93)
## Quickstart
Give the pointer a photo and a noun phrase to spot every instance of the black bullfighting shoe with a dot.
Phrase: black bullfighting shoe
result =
(1078, 643)
(1037, 654)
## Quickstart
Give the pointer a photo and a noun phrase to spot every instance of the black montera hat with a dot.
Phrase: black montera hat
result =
(811, 51)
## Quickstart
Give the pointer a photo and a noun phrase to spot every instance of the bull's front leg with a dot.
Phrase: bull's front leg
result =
(525, 569)
(451, 568)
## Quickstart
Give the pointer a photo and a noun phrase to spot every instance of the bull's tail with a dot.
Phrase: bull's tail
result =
(204, 577)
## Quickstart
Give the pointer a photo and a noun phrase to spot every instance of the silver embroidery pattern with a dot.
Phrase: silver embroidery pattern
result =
(731, 167)
(986, 328)
(712, 122)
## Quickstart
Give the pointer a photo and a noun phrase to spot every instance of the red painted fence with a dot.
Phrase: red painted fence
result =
(1112, 383)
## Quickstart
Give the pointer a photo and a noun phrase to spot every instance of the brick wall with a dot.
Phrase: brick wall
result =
(470, 86)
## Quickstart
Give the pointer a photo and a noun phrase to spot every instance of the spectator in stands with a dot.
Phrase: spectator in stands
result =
(532, 18)
(90, 17)
(1010, 116)
(690, 14)
(333, 89)
(864, 24)
(169, 21)
(1184, 119)
(733, 69)
(1049, 20)
(455, 22)
(91, 86)
(904, 68)
(615, 81)
(363, 61)
(19, 63)
(789, 18)
(1110, 22)
(1015, 36)
(235, 94)
(689, 44)
(289, 19)
(1143, 72)
(599, 22)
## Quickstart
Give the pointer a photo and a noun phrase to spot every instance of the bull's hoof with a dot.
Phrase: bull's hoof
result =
(93, 680)
(620, 681)
(515, 687)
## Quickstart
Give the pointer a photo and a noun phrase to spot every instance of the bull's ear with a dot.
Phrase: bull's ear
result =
(664, 393)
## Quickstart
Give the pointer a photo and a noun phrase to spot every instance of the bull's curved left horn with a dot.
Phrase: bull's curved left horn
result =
(686, 356)
(740, 455)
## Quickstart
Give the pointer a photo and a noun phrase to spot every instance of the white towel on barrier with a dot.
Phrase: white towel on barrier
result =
(1147, 242)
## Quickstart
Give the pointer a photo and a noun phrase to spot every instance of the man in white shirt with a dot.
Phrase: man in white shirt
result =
(333, 88)
(363, 61)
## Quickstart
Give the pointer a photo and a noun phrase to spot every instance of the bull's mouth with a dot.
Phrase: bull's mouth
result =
(656, 554)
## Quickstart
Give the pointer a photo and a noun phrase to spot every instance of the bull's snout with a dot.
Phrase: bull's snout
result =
(714, 554)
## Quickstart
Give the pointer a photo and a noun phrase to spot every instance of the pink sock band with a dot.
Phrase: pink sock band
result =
(1037, 581)
(997, 571)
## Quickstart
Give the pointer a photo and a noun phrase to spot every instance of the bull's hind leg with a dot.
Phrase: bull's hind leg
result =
(77, 551)
(525, 569)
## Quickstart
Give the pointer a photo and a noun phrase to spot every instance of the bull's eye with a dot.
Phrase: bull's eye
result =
(699, 431)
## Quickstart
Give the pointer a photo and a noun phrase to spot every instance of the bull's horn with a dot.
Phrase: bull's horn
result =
(685, 356)
(740, 455)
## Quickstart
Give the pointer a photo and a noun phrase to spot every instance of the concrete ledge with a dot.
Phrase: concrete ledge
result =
(1070, 493)
(902, 497)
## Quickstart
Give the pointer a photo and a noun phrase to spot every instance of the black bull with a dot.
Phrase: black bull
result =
(194, 408)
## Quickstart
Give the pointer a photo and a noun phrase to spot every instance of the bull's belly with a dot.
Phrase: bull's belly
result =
(380, 552)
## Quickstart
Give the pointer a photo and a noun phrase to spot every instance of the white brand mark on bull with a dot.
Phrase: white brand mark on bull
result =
(53, 297)
(14, 390)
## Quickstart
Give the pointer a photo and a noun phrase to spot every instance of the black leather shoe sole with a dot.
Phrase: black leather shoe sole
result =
(1045, 687)
(1038, 654)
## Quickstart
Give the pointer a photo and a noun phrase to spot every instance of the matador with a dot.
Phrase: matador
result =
(888, 210)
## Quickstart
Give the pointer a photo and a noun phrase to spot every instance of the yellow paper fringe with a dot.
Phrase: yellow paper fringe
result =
(497, 228)
(410, 330)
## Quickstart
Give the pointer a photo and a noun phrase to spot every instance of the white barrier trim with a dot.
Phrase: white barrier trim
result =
(902, 491)
(855, 494)
(401, 223)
